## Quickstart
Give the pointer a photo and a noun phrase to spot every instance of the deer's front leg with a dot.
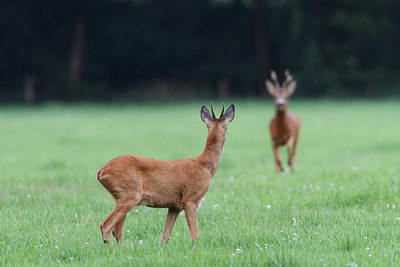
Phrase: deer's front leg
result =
(292, 153)
(278, 165)
(169, 224)
(191, 217)
(292, 159)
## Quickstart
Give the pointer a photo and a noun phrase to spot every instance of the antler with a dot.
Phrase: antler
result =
(222, 113)
(212, 111)
(288, 79)
(274, 79)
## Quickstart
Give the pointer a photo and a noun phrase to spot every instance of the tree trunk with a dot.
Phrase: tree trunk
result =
(223, 87)
(260, 39)
(77, 49)
(29, 89)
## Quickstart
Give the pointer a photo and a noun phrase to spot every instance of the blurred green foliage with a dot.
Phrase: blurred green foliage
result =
(146, 48)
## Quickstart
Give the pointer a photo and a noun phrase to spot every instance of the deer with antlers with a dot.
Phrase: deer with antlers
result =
(285, 125)
(174, 184)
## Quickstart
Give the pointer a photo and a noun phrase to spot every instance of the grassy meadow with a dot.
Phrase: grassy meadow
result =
(340, 208)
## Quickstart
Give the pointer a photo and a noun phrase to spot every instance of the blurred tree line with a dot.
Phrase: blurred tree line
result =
(136, 49)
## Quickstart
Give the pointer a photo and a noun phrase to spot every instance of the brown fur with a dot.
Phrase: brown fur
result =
(285, 125)
(174, 184)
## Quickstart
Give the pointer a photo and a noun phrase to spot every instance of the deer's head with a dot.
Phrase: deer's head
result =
(224, 119)
(280, 93)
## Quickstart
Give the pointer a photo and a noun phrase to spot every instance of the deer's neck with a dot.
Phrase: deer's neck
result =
(212, 152)
(281, 117)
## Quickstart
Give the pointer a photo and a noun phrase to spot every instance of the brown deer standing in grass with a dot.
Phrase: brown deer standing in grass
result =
(174, 184)
(285, 125)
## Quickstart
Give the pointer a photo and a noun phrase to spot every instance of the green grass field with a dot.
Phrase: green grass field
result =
(340, 208)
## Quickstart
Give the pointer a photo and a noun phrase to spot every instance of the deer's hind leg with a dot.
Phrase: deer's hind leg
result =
(117, 218)
(117, 230)
(127, 193)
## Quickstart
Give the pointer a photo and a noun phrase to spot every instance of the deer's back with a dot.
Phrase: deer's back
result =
(160, 183)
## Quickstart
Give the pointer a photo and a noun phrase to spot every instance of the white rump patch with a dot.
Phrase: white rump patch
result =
(201, 202)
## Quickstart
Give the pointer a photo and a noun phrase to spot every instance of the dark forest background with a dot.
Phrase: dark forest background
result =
(147, 49)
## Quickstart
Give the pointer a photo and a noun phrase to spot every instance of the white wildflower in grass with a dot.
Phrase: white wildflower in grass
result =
(141, 242)
(56, 247)
(268, 206)
(294, 221)
(233, 254)
(393, 206)
(28, 196)
(387, 206)
(365, 237)
(136, 210)
(367, 248)
(71, 258)
(129, 257)
(295, 235)
(41, 245)
(266, 246)
(315, 233)
(177, 234)
(369, 255)
(398, 218)
(294, 239)
(238, 250)
(215, 206)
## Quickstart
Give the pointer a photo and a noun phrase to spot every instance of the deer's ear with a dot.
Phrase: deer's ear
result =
(205, 115)
(270, 87)
(229, 114)
(291, 87)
